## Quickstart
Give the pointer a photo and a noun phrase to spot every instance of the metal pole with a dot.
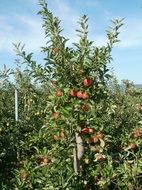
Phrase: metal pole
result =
(16, 104)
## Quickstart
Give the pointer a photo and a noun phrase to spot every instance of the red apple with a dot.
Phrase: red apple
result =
(95, 139)
(73, 93)
(100, 135)
(87, 82)
(133, 146)
(44, 160)
(91, 130)
(79, 94)
(62, 134)
(56, 115)
(85, 96)
(59, 93)
(100, 157)
(85, 131)
(137, 133)
(55, 138)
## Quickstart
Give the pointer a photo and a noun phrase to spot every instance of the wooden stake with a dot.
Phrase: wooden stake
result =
(16, 104)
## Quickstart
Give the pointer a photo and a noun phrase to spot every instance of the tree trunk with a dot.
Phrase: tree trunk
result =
(78, 152)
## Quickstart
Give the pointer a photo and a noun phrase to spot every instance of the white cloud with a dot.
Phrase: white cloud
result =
(69, 18)
(67, 15)
(28, 30)
(24, 29)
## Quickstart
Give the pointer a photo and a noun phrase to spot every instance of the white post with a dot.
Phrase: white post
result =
(16, 104)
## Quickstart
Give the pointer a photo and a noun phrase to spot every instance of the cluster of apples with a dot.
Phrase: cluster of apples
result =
(76, 93)
(43, 160)
(79, 94)
(137, 133)
(98, 156)
(62, 135)
(94, 137)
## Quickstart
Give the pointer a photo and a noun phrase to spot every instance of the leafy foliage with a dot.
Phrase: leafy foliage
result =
(77, 128)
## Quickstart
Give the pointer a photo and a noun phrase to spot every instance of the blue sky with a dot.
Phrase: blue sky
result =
(19, 22)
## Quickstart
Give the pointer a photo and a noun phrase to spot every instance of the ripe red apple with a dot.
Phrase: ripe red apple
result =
(100, 135)
(85, 131)
(87, 82)
(91, 130)
(137, 133)
(56, 115)
(55, 138)
(95, 139)
(59, 93)
(73, 93)
(79, 94)
(133, 146)
(44, 160)
(100, 157)
(85, 96)
(62, 134)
